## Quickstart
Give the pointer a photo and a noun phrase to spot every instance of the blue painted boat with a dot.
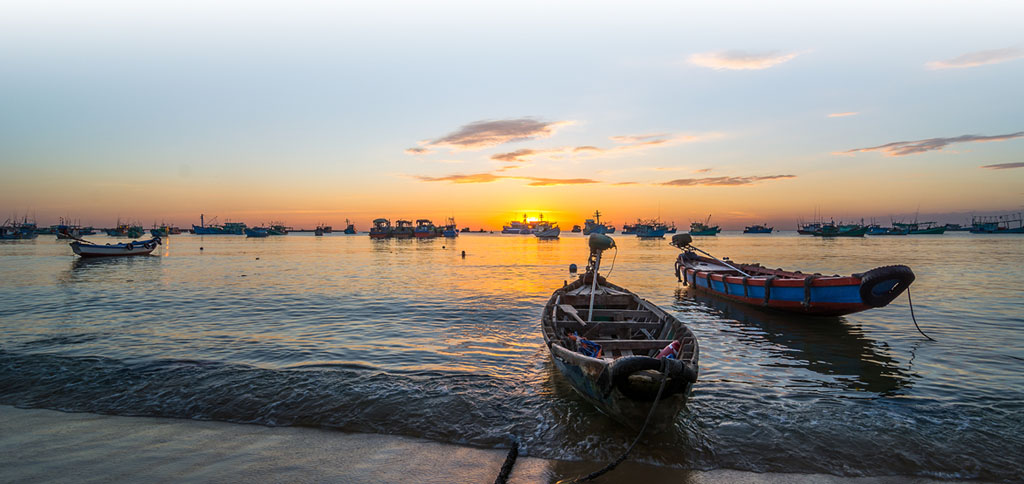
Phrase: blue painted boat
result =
(812, 294)
(650, 230)
(594, 225)
(14, 230)
(450, 229)
(615, 348)
(757, 229)
(257, 232)
(704, 228)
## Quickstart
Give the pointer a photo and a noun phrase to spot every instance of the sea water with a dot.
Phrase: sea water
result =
(408, 337)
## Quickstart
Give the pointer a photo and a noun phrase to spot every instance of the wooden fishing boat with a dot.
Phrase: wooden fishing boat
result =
(547, 230)
(793, 291)
(136, 247)
(606, 341)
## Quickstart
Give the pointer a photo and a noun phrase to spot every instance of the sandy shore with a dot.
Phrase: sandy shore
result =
(50, 446)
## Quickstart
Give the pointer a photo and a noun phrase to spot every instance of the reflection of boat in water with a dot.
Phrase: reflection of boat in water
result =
(615, 348)
(793, 291)
(830, 347)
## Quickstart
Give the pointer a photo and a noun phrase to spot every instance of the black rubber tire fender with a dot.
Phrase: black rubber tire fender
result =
(130, 246)
(879, 286)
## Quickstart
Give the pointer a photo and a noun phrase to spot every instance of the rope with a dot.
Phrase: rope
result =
(616, 462)
(911, 302)
(510, 460)
(616, 254)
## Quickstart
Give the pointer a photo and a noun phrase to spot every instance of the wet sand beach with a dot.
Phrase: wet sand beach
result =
(51, 446)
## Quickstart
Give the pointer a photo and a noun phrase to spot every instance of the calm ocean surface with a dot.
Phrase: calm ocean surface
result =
(406, 337)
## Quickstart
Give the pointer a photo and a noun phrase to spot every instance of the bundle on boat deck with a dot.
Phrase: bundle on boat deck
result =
(610, 356)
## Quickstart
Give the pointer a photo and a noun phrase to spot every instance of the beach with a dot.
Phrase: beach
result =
(52, 446)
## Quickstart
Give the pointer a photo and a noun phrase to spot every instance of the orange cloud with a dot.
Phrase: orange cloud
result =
(740, 60)
(980, 58)
(843, 115)
(723, 180)
(901, 148)
(418, 151)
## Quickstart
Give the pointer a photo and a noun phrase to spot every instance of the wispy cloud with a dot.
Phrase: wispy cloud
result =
(901, 148)
(703, 170)
(489, 177)
(723, 180)
(843, 115)
(740, 60)
(626, 143)
(979, 58)
(482, 134)
(1004, 166)
(418, 151)
(526, 154)
(638, 138)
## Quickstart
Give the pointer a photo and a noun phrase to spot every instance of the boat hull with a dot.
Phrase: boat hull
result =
(810, 294)
(624, 377)
(144, 247)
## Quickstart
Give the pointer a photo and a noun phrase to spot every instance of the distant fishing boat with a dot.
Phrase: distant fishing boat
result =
(257, 232)
(957, 228)
(921, 228)
(629, 229)
(516, 227)
(87, 249)
(381, 229)
(844, 230)
(547, 230)
(277, 228)
(425, 229)
(576, 229)
(318, 231)
(808, 228)
(669, 229)
(998, 224)
(228, 228)
(350, 228)
(650, 230)
(790, 291)
(450, 229)
(403, 230)
(465, 230)
(616, 349)
(704, 228)
(594, 225)
(14, 230)
(757, 229)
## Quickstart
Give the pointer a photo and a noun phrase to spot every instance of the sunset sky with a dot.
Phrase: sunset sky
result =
(311, 112)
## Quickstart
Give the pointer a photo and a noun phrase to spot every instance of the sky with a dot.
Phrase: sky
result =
(317, 112)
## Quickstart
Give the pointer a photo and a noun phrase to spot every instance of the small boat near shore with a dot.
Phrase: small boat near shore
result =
(136, 247)
(617, 349)
(704, 228)
(792, 291)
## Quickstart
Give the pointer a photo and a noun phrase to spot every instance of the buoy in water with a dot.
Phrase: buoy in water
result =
(572, 268)
(463, 254)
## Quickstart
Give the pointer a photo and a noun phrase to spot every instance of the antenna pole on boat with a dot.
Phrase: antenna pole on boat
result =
(598, 244)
